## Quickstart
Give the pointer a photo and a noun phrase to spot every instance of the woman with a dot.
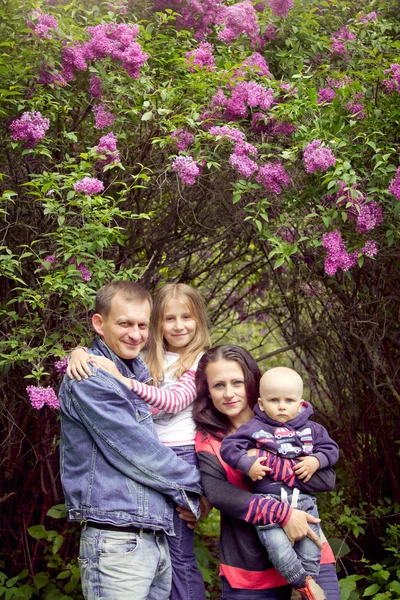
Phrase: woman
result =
(227, 383)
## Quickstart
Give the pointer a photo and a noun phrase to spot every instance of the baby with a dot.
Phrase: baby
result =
(279, 449)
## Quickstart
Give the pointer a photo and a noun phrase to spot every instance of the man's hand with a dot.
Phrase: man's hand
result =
(188, 516)
(298, 527)
(306, 466)
(258, 470)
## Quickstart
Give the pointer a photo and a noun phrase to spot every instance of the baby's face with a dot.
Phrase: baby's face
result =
(280, 398)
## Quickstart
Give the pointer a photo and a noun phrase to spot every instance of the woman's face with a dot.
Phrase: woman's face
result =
(225, 379)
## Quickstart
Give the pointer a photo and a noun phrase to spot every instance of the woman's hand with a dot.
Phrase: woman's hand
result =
(298, 527)
(78, 364)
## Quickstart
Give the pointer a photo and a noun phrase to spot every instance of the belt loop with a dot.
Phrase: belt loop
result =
(141, 532)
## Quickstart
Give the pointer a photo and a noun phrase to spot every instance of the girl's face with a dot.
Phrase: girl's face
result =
(225, 379)
(179, 326)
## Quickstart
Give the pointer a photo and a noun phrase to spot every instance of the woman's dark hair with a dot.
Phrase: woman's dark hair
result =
(207, 418)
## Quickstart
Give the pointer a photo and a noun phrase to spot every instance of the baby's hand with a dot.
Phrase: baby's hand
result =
(258, 470)
(306, 467)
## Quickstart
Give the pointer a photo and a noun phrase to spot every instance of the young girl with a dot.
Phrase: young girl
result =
(178, 339)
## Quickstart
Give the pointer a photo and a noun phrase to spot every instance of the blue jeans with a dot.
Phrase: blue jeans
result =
(118, 565)
(187, 581)
(327, 579)
(297, 562)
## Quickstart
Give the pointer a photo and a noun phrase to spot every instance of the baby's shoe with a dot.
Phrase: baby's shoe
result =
(312, 591)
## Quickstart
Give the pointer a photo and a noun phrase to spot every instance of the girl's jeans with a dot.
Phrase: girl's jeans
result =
(297, 562)
(187, 581)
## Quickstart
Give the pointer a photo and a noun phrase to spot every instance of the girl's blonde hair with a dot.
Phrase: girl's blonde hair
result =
(201, 341)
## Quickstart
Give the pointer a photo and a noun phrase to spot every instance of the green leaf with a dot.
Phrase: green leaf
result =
(41, 579)
(38, 532)
(64, 574)
(371, 590)
(57, 512)
(147, 116)
(279, 262)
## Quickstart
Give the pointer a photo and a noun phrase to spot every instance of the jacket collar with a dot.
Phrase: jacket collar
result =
(134, 367)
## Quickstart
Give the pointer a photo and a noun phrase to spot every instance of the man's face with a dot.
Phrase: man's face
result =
(126, 328)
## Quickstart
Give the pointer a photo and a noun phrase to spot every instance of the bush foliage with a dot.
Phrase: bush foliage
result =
(248, 149)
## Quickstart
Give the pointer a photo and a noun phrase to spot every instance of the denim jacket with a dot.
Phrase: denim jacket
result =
(113, 468)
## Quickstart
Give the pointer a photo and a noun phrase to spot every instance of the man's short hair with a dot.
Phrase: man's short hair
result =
(129, 290)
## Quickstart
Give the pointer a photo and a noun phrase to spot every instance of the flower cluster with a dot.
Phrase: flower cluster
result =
(50, 258)
(50, 77)
(356, 109)
(245, 94)
(337, 256)
(370, 215)
(197, 15)
(273, 177)
(108, 146)
(317, 157)
(187, 169)
(116, 40)
(238, 18)
(44, 23)
(338, 83)
(394, 186)
(372, 16)
(201, 57)
(227, 132)
(339, 38)
(370, 249)
(39, 396)
(243, 164)
(183, 139)
(61, 365)
(281, 8)
(255, 63)
(393, 84)
(95, 86)
(103, 117)
(89, 186)
(30, 128)
(326, 94)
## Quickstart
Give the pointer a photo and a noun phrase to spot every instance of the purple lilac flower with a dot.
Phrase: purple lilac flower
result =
(202, 57)
(370, 216)
(30, 128)
(338, 83)
(393, 84)
(95, 86)
(356, 109)
(47, 77)
(281, 8)
(289, 89)
(273, 177)
(86, 275)
(50, 258)
(243, 164)
(44, 24)
(248, 94)
(325, 95)
(89, 186)
(238, 18)
(39, 396)
(337, 256)
(187, 169)
(227, 132)
(317, 157)
(61, 365)
(370, 249)
(394, 186)
(372, 16)
(183, 139)
(339, 38)
(108, 146)
(103, 118)
(257, 63)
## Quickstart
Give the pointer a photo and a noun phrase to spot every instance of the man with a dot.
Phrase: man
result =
(119, 480)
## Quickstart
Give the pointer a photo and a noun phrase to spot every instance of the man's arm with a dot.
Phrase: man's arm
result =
(101, 403)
